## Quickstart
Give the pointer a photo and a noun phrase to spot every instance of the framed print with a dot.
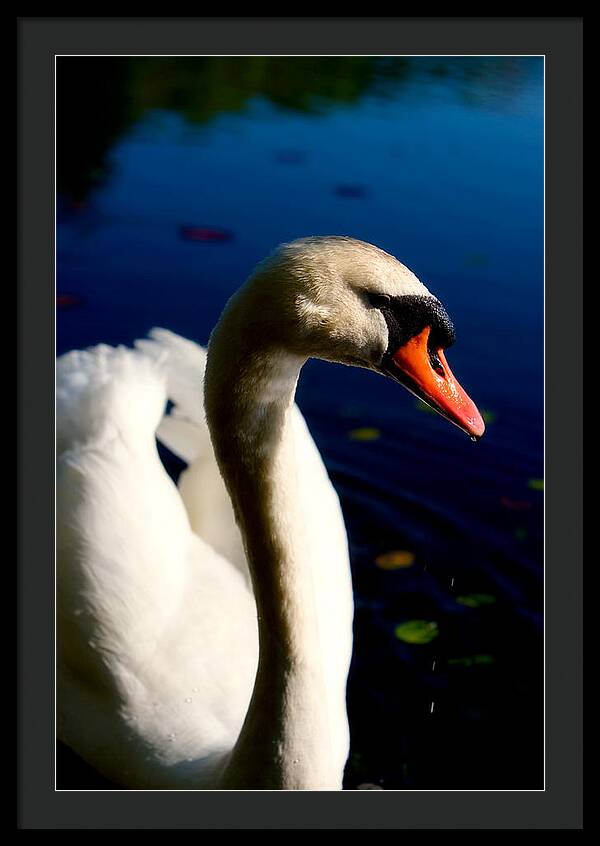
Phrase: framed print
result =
(251, 596)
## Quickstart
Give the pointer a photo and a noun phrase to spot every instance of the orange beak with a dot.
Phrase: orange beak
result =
(426, 374)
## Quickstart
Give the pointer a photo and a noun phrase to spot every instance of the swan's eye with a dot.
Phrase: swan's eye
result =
(378, 300)
(436, 363)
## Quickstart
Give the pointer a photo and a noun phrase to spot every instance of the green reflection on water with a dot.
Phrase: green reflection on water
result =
(99, 98)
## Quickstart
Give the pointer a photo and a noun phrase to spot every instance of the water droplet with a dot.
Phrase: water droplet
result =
(188, 698)
(195, 689)
(172, 737)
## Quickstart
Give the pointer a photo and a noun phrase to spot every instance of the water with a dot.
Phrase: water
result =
(177, 176)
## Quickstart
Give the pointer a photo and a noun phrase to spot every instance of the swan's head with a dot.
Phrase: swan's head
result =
(349, 302)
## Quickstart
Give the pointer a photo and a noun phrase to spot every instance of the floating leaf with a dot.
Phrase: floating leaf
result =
(204, 234)
(476, 260)
(536, 484)
(351, 409)
(367, 433)
(417, 631)
(422, 406)
(356, 759)
(350, 190)
(520, 534)
(290, 157)
(475, 600)
(471, 661)
(515, 504)
(67, 300)
(395, 559)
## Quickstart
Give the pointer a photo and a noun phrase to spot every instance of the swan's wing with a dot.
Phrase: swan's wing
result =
(106, 392)
(148, 615)
(185, 432)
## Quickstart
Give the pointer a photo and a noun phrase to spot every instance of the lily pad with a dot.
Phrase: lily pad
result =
(476, 260)
(351, 409)
(366, 433)
(290, 156)
(515, 504)
(471, 661)
(520, 534)
(396, 559)
(205, 234)
(354, 191)
(422, 406)
(67, 300)
(417, 631)
(475, 600)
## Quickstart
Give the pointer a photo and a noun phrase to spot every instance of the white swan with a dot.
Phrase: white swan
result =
(167, 675)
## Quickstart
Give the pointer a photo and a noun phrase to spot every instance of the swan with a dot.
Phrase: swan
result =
(204, 632)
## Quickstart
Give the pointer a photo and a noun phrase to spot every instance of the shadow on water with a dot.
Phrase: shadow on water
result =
(176, 175)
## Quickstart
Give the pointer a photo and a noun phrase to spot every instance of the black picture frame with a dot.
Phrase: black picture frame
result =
(559, 805)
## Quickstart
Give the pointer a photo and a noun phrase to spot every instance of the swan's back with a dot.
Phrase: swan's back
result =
(156, 632)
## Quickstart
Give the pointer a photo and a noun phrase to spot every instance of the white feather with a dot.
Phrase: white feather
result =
(150, 617)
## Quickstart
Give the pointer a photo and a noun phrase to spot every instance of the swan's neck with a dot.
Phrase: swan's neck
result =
(249, 393)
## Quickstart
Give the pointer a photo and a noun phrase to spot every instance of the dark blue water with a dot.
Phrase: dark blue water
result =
(177, 176)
